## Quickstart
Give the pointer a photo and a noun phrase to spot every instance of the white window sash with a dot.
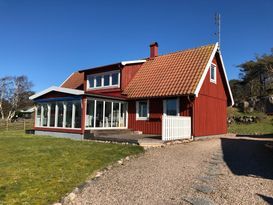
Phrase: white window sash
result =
(140, 110)
(48, 114)
(73, 115)
(64, 115)
(56, 114)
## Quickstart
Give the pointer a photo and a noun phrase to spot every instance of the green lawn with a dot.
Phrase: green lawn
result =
(40, 170)
(264, 126)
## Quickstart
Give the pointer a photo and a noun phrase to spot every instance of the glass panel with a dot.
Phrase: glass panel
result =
(52, 114)
(99, 114)
(45, 115)
(90, 113)
(68, 122)
(171, 107)
(98, 81)
(115, 79)
(78, 114)
(91, 81)
(106, 80)
(107, 118)
(212, 72)
(38, 115)
(142, 109)
(123, 115)
(115, 115)
(60, 114)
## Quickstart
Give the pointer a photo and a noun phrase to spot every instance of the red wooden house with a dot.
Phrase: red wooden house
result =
(189, 84)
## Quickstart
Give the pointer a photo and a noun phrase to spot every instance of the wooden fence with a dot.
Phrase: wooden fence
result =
(22, 125)
(176, 127)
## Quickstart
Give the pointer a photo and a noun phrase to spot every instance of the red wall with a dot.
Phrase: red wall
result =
(126, 75)
(210, 107)
(153, 124)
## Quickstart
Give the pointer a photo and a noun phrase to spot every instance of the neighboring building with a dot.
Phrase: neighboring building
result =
(27, 113)
(136, 94)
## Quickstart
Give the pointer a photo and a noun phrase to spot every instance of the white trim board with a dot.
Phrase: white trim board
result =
(216, 49)
(58, 89)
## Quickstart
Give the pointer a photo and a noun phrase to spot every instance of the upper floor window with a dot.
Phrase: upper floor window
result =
(103, 80)
(213, 73)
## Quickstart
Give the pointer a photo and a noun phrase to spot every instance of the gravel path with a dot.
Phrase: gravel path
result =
(218, 171)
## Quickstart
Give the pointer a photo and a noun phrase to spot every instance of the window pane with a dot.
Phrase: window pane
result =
(107, 118)
(98, 81)
(68, 122)
(78, 114)
(38, 116)
(123, 115)
(115, 114)
(91, 81)
(115, 79)
(142, 109)
(171, 107)
(106, 80)
(212, 72)
(60, 114)
(90, 113)
(52, 114)
(45, 115)
(99, 114)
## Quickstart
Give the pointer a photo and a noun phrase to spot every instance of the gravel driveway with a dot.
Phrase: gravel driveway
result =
(217, 171)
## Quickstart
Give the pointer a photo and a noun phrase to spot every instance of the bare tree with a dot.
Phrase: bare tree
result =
(14, 93)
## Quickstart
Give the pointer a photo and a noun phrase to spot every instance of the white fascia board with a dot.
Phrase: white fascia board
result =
(58, 89)
(132, 62)
(229, 90)
(207, 69)
(67, 79)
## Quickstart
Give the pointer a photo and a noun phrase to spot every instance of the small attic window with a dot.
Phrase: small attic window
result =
(213, 73)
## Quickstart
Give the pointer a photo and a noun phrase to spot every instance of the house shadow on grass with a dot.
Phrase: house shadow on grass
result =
(248, 157)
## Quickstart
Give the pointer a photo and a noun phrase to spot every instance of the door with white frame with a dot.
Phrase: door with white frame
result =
(171, 107)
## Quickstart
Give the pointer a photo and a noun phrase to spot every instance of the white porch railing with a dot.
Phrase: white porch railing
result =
(176, 127)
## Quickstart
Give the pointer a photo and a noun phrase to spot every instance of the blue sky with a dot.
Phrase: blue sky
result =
(47, 40)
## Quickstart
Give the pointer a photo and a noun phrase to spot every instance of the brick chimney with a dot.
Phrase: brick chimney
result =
(153, 50)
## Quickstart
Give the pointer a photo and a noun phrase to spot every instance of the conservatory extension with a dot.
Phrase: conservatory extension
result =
(75, 114)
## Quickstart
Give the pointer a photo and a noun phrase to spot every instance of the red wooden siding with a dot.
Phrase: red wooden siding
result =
(210, 107)
(153, 125)
(127, 74)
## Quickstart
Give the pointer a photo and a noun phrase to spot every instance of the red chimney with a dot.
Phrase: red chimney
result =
(153, 50)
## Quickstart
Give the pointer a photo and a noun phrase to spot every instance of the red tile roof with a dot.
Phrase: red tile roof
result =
(170, 75)
(74, 81)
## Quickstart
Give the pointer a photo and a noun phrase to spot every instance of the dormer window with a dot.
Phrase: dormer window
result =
(213, 73)
(103, 80)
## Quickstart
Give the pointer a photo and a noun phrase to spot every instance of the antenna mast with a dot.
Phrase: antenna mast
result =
(218, 24)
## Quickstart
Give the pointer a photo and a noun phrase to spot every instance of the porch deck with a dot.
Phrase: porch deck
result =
(128, 137)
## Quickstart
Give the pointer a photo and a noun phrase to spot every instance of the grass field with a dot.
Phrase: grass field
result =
(40, 170)
(264, 126)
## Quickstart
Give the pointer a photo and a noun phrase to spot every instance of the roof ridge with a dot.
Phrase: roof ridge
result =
(179, 51)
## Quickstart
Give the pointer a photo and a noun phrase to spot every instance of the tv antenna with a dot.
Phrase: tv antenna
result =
(218, 24)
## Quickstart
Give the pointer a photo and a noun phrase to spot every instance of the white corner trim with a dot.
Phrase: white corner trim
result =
(206, 71)
(132, 62)
(58, 89)
(229, 90)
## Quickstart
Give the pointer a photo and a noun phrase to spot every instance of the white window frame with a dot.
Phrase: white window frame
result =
(137, 110)
(110, 73)
(111, 123)
(177, 106)
(210, 70)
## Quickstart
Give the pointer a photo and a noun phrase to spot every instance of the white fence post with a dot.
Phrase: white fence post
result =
(176, 127)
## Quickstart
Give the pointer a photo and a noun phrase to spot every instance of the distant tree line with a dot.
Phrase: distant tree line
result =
(14, 95)
(255, 78)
